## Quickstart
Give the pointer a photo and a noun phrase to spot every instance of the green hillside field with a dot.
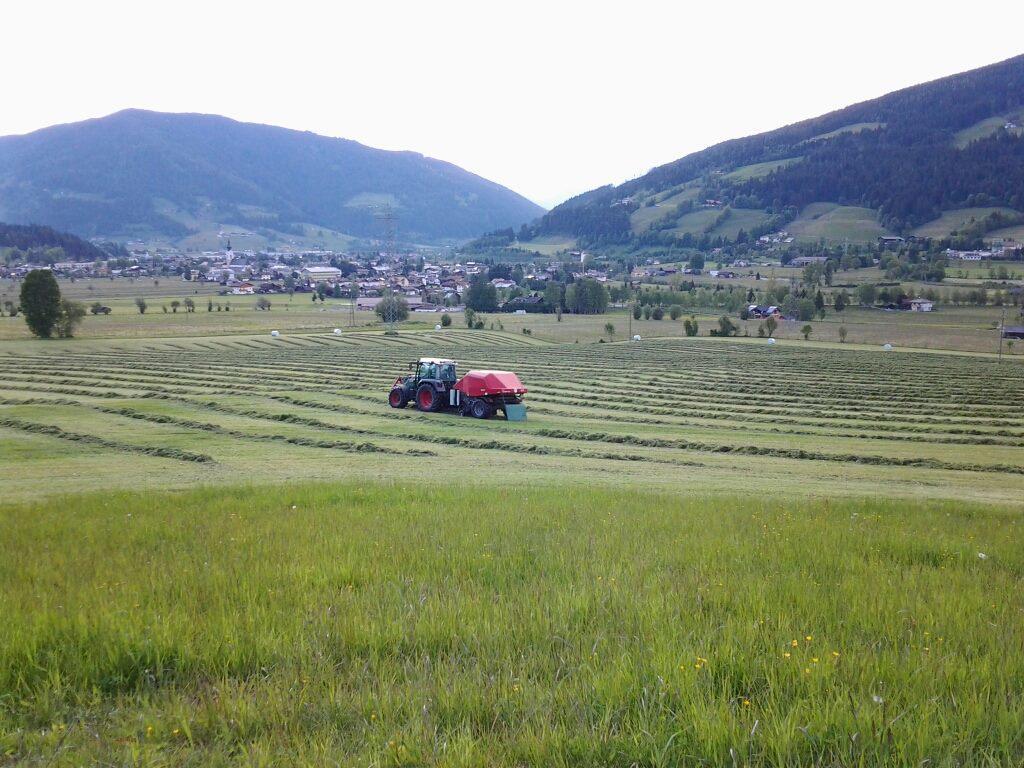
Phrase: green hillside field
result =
(837, 223)
(955, 220)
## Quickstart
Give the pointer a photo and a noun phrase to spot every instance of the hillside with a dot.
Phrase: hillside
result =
(38, 238)
(138, 173)
(950, 144)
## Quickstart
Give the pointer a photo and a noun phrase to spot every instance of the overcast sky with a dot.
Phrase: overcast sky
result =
(548, 98)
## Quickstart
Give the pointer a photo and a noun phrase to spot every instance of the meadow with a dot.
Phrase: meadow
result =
(227, 549)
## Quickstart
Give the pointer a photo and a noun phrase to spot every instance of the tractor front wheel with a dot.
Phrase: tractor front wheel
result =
(397, 398)
(427, 399)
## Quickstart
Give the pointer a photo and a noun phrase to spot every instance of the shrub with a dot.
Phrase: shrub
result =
(446, 320)
(142, 305)
(842, 334)
(657, 313)
(806, 331)
(71, 314)
(690, 326)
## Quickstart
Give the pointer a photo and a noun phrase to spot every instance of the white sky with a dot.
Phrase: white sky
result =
(549, 98)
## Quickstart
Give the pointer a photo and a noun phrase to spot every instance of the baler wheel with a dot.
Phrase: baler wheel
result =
(481, 410)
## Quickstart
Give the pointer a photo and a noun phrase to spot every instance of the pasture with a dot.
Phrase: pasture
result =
(227, 549)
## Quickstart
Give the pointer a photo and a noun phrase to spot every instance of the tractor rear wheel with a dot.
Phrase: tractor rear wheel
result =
(481, 410)
(427, 398)
(397, 398)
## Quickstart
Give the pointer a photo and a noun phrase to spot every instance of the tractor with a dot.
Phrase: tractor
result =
(432, 385)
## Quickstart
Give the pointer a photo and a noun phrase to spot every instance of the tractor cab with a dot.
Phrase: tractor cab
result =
(433, 369)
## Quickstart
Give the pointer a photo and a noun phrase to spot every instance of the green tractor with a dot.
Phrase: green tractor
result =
(429, 385)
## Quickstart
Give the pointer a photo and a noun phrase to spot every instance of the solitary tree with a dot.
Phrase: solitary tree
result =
(470, 315)
(190, 305)
(141, 304)
(675, 311)
(806, 331)
(637, 311)
(842, 334)
(263, 303)
(392, 309)
(446, 320)
(770, 324)
(40, 302)
(609, 331)
(174, 306)
(690, 326)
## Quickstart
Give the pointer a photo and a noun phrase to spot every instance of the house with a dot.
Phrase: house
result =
(502, 284)
(917, 305)
(524, 304)
(803, 261)
(371, 302)
(243, 289)
(758, 312)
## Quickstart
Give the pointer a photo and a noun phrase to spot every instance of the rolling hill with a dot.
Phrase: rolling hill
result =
(890, 165)
(149, 174)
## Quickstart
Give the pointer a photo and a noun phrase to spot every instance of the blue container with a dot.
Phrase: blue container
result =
(515, 412)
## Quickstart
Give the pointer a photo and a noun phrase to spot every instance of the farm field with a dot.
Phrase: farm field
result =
(955, 220)
(230, 550)
(837, 223)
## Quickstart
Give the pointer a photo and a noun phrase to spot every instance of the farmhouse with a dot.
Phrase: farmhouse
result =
(243, 289)
(917, 305)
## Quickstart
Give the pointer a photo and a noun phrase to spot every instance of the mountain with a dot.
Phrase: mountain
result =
(949, 150)
(139, 173)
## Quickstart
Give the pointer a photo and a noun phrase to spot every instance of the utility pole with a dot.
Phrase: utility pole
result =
(1002, 325)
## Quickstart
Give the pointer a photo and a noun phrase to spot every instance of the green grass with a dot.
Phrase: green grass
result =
(368, 624)
(837, 223)
(853, 128)
(757, 170)
(955, 220)
(985, 128)
(698, 221)
(548, 245)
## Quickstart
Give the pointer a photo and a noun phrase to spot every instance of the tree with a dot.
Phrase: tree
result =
(392, 309)
(866, 294)
(806, 331)
(842, 334)
(446, 320)
(690, 326)
(657, 313)
(586, 297)
(675, 311)
(770, 324)
(841, 301)
(470, 315)
(609, 331)
(174, 306)
(482, 296)
(190, 305)
(553, 296)
(141, 304)
(637, 311)
(727, 327)
(263, 303)
(71, 314)
(40, 302)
